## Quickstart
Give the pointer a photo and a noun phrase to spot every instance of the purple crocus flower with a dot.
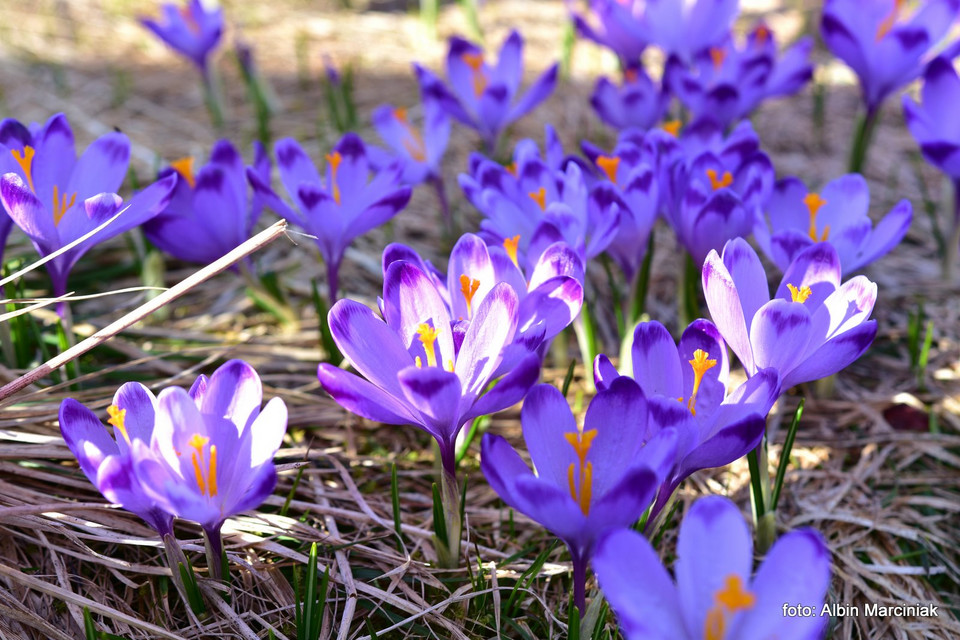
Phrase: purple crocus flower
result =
(108, 461)
(56, 198)
(728, 81)
(813, 327)
(549, 299)
(686, 388)
(838, 214)
(933, 122)
(484, 97)
(338, 208)
(713, 596)
(588, 480)
(637, 103)
(210, 213)
(885, 47)
(532, 204)
(210, 455)
(191, 30)
(617, 26)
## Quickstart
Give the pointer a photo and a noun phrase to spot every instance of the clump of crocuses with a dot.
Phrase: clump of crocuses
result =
(203, 455)
(345, 203)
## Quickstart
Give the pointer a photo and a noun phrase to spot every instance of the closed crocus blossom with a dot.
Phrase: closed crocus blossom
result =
(728, 81)
(617, 26)
(56, 198)
(210, 212)
(799, 218)
(108, 460)
(485, 97)
(191, 30)
(812, 328)
(686, 388)
(588, 479)
(713, 596)
(210, 455)
(548, 301)
(932, 121)
(885, 42)
(344, 204)
(636, 103)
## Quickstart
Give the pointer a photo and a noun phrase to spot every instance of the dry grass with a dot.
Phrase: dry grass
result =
(869, 473)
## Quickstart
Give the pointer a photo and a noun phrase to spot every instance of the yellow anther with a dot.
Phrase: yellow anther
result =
(212, 473)
(719, 183)
(117, 419)
(428, 338)
(61, 205)
(414, 144)
(717, 55)
(208, 484)
(729, 599)
(334, 159)
(540, 197)
(581, 484)
(799, 295)
(701, 364)
(609, 166)
(184, 166)
(672, 127)
(450, 366)
(511, 245)
(814, 202)
(418, 362)
(475, 62)
(25, 160)
(468, 287)
(198, 442)
(891, 19)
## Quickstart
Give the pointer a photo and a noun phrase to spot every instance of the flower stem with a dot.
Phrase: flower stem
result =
(862, 138)
(449, 549)
(333, 281)
(688, 298)
(953, 239)
(214, 547)
(211, 98)
(580, 582)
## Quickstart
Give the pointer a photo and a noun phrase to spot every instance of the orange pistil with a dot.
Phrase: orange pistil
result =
(701, 364)
(717, 55)
(672, 127)
(609, 165)
(414, 143)
(117, 418)
(468, 287)
(189, 19)
(581, 484)
(540, 197)
(511, 244)
(761, 34)
(475, 62)
(334, 159)
(728, 600)
(630, 75)
(25, 160)
(719, 183)
(208, 484)
(887, 24)
(799, 295)
(814, 202)
(184, 166)
(428, 338)
(61, 206)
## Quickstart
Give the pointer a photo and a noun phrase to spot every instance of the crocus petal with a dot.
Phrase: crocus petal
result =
(539, 91)
(358, 396)
(410, 300)
(656, 367)
(604, 373)
(817, 267)
(509, 390)
(234, 392)
(552, 507)
(492, 328)
(266, 432)
(647, 607)
(724, 302)
(294, 165)
(28, 212)
(545, 417)
(369, 344)
(140, 406)
(613, 450)
(622, 504)
(779, 334)
(833, 356)
(85, 436)
(435, 393)
(102, 167)
(259, 489)
(555, 303)
(886, 235)
(501, 465)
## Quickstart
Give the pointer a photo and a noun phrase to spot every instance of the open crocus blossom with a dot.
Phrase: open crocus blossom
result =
(191, 30)
(483, 96)
(812, 328)
(637, 103)
(548, 301)
(57, 198)
(338, 208)
(210, 213)
(588, 479)
(108, 461)
(799, 218)
(686, 388)
(727, 82)
(885, 43)
(933, 122)
(210, 455)
(714, 597)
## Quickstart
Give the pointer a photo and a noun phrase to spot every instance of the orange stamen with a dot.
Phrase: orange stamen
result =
(198, 442)
(728, 600)
(468, 287)
(512, 169)
(540, 197)
(61, 206)
(334, 159)
(814, 202)
(701, 364)
(888, 22)
(717, 55)
(475, 62)
(184, 166)
(25, 160)
(719, 183)
(511, 245)
(630, 75)
(581, 491)
(672, 127)
(761, 34)
(609, 166)
(414, 145)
